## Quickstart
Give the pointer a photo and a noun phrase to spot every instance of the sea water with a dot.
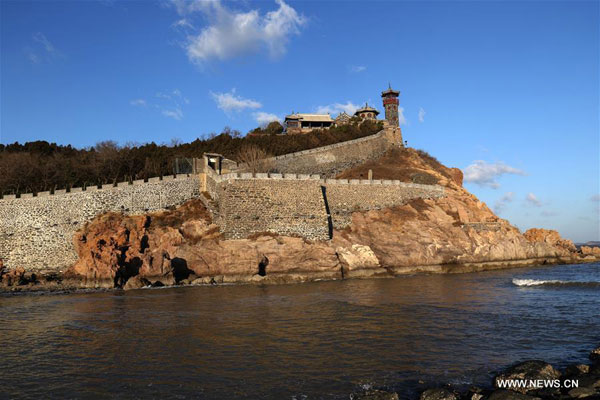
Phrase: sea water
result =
(321, 340)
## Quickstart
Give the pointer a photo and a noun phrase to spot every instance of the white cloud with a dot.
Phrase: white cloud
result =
(483, 174)
(183, 23)
(187, 7)
(168, 103)
(264, 117)
(138, 102)
(503, 201)
(549, 213)
(233, 33)
(533, 200)
(41, 50)
(401, 117)
(31, 56)
(336, 108)
(229, 102)
(421, 114)
(358, 68)
(41, 38)
(173, 113)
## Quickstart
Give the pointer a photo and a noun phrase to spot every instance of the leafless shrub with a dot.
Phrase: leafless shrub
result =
(254, 159)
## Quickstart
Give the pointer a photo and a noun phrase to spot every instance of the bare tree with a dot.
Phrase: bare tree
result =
(254, 159)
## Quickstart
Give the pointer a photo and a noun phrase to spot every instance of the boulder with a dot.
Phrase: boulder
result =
(136, 282)
(503, 394)
(551, 237)
(438, 394)
(595, 355)
(205, 280)
(14, 277)
(357, 256)
(581, 392)
(590, 251)
(456, 175)
(576, 370)
(589, 380)
(529, 370)
(375, 395)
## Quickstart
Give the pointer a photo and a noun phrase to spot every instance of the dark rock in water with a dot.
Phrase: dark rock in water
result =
(529, 370)
(545, 393)
(438, 394)
(136, 282)
(375, 395)
(576, 370)
(158, 284)
(589, 381)
(595, 355)
(509, 395)
(474, 393)
(581, 392)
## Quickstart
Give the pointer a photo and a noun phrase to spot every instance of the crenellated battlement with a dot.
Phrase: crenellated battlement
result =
(322, 180)
(94, 188)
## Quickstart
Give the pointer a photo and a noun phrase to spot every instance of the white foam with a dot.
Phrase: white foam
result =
(533, 282)
(554, 283)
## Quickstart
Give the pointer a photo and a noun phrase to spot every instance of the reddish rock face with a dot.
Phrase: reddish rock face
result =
(457, 176)
(551, 237)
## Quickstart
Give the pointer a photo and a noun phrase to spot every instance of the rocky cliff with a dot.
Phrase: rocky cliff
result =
(457, 233)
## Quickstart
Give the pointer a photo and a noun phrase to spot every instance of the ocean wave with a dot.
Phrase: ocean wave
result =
(554, 283)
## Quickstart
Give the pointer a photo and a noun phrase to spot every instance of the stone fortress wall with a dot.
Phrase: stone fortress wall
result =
(303, 205)
(333, 159)
(36, 232)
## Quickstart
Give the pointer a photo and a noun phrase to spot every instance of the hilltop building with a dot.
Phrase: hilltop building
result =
(367, 112)
(304, 123)
(390, 104)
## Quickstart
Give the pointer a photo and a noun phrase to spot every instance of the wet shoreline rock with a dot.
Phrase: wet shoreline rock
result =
(587, 378)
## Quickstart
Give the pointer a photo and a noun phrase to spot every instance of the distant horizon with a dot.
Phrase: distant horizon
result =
(505, 91)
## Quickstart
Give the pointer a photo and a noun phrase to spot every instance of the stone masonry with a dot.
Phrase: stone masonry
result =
(331, 160)
(297, 205)
(37, 232)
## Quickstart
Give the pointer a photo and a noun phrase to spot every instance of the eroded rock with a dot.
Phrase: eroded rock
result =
(528, 370)
(438, 394)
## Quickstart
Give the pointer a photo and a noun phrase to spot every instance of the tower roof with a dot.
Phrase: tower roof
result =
(309, 117)
(390, 91)
(366, 108)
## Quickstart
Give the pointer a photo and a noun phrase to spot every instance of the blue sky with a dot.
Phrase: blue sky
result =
(506, 91)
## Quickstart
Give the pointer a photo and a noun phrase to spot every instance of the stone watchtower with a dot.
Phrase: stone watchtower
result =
(390, 104)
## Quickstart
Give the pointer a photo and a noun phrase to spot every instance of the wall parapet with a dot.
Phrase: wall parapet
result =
(329, 147)
(323, 180)
(331, 159)
(93, 188)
